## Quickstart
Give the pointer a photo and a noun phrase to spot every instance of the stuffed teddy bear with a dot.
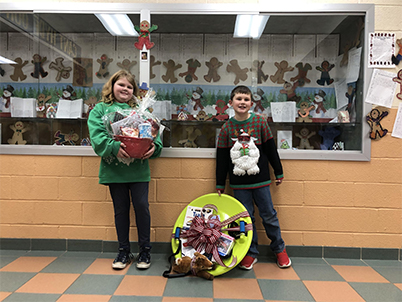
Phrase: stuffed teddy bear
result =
(198, 265)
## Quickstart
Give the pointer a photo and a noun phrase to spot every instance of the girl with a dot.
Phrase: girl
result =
(123, 179)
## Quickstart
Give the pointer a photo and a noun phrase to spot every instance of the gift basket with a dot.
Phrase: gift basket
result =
(135, 127)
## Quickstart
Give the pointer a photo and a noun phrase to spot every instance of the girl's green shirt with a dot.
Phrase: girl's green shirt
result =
(113, 169)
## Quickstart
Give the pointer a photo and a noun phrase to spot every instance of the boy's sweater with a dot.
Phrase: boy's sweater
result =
(111, 169)
(258, 128)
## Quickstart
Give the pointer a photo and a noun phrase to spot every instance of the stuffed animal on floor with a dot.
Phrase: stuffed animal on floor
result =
(198, 266)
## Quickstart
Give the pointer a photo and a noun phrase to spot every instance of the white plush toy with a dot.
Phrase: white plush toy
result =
(245, 155)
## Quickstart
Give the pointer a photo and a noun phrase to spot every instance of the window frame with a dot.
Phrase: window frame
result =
(152, 8)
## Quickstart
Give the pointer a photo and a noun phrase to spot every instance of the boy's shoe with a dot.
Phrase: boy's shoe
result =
(144, 258)
(283, 259)
(247, 262)
(123, 258)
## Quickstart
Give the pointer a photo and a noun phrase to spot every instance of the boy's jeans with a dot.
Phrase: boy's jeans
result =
(263, 200)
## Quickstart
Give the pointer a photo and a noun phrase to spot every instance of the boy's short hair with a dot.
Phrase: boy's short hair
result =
(241, 89)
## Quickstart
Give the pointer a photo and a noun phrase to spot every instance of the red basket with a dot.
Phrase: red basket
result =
(135, 147)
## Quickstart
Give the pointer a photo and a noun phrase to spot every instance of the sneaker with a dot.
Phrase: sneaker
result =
(247, 262)
(144, 258)
(283, 259)
(123, 258)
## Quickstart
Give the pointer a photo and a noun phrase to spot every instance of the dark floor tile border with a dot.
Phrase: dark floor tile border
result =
(165, 248)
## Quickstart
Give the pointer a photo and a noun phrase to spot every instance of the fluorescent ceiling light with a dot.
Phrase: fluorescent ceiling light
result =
(250, 26)
(4, 60)
(117, 24)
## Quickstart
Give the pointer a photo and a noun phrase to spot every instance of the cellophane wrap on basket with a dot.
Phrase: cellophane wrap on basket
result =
(134, 122)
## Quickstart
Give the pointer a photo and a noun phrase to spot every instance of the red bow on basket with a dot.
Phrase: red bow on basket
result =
(204, 235)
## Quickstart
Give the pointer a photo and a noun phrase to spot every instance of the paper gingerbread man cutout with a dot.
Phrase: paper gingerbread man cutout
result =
(17, 138)
(192, 66)
(213, 66)
(325, 68)
(220, 110)
(126, 64)
(301, 78)
(104, 61)
(304, 136)
(62, 138)
(257, 66)
(62, 71)
(241, 73)
(283, 67)
(38, 68)
(373, 119)
(18, 73)
(171, 67)
(153, 63)
(398, 79)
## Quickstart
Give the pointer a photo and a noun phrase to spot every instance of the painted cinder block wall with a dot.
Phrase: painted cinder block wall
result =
(320, 203)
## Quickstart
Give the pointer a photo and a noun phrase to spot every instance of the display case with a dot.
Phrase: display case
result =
(307, 69)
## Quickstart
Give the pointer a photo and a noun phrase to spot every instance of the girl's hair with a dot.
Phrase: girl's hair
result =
(107, 90)
(241, 89)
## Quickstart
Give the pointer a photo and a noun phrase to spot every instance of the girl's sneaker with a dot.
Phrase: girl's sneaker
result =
(144, 258)
(283, 259)
(123, 258)
(247, 262)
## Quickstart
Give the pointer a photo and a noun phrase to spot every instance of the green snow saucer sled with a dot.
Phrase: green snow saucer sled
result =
(227, 209)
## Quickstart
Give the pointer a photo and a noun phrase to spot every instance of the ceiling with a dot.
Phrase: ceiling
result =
(209, 24)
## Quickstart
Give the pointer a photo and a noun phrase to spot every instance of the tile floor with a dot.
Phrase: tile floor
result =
(42, 276)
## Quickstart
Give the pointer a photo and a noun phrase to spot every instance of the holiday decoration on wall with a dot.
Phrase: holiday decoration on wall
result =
(41, 105)
(328, 137)
(126, 64)
(374, 120)
(104, 62)
(325, 68)
(82, 75)
(142, 90)
(304, 136)
(398, 79)
(152, 63)
(192, 134)
(62, 138)
(257, 98)
(17, 138)
(396, 59)
(221, 108)
(196, 97)
(51, 111)
(68, 93)
(62, 71)
(290, 90)
(171, 68)
(2, 72)
(319, 100)
(18, 73)
(144, 30)
(8, 92)
(301, 78)
(351, 95)
(213, 66)
(304, 112)
(257, 67)
(192, 66)
(282, 67)
(241, 73)
(202, 116)
(38, 66)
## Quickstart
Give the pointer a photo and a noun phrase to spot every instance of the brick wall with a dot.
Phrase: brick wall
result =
(320, 203)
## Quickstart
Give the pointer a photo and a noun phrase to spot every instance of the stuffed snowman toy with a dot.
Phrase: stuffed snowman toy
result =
(245, 155)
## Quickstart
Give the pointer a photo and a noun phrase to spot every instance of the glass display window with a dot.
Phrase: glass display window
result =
(307, 71)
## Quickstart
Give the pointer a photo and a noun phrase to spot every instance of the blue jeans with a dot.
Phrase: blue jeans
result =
(120, 193)
(262, 199)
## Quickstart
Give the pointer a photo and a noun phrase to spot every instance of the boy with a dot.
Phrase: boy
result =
(245, 147)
